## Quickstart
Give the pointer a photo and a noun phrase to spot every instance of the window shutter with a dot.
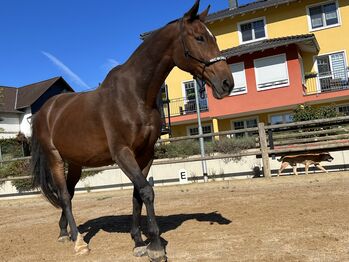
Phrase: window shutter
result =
(271, 71)
(338, 66)
(238, 72)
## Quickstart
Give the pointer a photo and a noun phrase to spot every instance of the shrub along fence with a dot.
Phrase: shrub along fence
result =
(269, 140)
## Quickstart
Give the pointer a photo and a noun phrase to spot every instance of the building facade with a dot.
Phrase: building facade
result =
(19, 104)
(282, 54)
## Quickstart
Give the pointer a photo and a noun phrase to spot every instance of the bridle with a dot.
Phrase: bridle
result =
(206, 63)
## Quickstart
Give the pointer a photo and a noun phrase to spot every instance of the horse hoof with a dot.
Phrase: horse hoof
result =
(82, 250)
(81, 247)
(157, 255)
(64, 239)
(140, 251)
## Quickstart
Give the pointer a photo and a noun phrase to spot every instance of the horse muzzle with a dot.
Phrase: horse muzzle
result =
(222, 88)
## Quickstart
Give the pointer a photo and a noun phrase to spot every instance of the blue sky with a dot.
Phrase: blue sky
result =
(80, 40)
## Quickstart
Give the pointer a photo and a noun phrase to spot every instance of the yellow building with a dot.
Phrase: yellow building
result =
(282, 54)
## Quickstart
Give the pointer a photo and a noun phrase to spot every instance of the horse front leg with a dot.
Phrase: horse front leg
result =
(140, 248)
(124, 157)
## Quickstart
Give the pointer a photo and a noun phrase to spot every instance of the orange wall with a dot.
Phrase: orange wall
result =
(266, 100)
(255, 100)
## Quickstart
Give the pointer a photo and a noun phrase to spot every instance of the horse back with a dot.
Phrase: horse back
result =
(87, 128)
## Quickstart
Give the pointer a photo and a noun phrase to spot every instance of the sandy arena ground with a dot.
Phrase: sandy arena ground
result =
(291, 218)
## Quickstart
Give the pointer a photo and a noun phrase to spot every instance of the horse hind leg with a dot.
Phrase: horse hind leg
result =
(73, 176)
(57, 168)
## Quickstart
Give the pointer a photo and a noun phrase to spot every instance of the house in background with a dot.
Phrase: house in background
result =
(282, 53)
(19, 104)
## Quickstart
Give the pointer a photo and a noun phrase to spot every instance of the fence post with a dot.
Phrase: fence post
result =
(264, 149)
(1, 156)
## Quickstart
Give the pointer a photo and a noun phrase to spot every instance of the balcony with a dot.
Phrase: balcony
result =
(326, 82)
(183, 106)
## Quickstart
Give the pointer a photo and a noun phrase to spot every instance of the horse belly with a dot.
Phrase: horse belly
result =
(89, 151)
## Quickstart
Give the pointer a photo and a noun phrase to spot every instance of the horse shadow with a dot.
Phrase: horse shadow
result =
(122, 223)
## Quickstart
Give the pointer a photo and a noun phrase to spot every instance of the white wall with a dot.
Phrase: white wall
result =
(25, 122)
(9, 124)
(12, 124)
(168, 174)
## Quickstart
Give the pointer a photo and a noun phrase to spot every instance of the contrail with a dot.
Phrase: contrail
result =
(74, 77)
(112, 63)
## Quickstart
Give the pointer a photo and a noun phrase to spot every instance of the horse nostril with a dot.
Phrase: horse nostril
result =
(227, 86)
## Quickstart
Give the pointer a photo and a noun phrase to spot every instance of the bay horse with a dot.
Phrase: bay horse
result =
(119, 122)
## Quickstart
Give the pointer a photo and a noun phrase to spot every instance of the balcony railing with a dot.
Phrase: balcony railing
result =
(184, 106)
(326, 82)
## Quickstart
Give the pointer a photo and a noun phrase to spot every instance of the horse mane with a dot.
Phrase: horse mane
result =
(173, 21)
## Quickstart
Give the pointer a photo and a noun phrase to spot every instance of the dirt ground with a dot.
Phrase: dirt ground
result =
(289, 218)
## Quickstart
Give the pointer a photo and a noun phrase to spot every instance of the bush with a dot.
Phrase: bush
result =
(177, 149)
(188, 148)
(15, 169)
(10, 148)
(306, 112)
(233, 145)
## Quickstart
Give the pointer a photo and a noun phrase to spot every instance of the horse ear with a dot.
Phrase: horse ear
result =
(203, 15)
(192, 14)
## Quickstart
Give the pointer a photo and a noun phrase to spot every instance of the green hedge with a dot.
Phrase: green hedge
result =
(191, 147)
(307, 112)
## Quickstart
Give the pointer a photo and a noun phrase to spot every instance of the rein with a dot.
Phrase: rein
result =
(206, 63)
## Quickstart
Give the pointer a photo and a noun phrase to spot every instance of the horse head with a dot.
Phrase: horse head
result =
(197, 52)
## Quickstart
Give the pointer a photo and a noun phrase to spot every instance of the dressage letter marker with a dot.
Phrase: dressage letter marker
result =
(183, 176)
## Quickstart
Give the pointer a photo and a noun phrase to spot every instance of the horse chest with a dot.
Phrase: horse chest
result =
(150, 132)
(145, 136)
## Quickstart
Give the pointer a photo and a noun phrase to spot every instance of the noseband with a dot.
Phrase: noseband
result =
(206, 63)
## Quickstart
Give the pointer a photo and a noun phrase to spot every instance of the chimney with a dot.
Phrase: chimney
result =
(233, 4)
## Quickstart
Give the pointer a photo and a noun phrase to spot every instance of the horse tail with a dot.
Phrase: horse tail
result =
(280, 159)
(42, 176)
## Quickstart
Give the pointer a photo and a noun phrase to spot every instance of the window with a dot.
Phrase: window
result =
(323, 15)
(281, 119)
(271, 72)
(244, 123)
(238, 71)
(206, 129)
(189, 100)
(332, 71)
(344, 110)
(252, 30)
(189, 90)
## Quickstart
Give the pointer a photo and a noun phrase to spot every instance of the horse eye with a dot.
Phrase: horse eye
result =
(200, 38)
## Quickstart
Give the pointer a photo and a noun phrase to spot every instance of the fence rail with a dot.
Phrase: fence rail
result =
(306, 136)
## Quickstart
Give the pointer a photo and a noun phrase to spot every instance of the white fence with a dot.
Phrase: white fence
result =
(168, 174)
(319, 135)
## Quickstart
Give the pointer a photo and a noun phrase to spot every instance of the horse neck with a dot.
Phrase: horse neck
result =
(150, 64)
